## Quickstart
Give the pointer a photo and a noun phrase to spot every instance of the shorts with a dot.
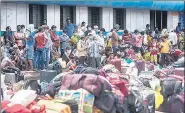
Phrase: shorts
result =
(30, 53)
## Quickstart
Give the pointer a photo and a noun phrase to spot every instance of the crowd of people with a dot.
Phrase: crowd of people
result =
(31, 49)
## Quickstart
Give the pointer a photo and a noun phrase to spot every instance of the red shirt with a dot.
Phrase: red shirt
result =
(127, 38)
(40, 40)
(55, 38)
(154, 46)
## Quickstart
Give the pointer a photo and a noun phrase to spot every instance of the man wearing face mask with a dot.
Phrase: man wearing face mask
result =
(70, 28)
(19, 36)
(100, 39)
(48, 45)
(89, 29)
(81, 48)
(54, 37)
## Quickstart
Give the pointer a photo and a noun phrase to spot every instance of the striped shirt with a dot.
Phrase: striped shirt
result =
(94, 49)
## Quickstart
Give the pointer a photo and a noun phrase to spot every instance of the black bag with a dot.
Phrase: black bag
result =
(105, 101)
(33, 85)
(47, 75)
(73, 105)
(57, 67)
(170, 86)
(121, 104)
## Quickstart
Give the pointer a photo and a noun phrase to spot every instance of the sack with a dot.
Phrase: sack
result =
(105, 101)
(158, 99)
(140, 65)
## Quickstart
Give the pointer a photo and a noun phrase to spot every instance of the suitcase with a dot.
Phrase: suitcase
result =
(179, 71)
(10, 78)
(140, 65)
(47, 75)
(116, 63)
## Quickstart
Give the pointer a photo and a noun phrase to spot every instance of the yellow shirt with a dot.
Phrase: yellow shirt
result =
(74, 39)
(149, 40)
(166, 46)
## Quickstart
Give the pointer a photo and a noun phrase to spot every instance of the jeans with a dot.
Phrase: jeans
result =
(48, 54)
(115, 49)
(81, 60)
(35, 66)
(40, 58)
(165, 59)
(95, 62)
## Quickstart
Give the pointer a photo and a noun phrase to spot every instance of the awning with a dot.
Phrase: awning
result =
(152, 5)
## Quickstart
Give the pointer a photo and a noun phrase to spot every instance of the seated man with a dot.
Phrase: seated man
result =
(8, 62)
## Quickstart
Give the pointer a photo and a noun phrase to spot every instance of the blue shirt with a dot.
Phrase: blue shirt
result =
(178, 29)
(64, 41)
(31, 41)
(70, 28)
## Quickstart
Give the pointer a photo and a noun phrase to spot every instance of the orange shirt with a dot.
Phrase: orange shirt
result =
(40, 40)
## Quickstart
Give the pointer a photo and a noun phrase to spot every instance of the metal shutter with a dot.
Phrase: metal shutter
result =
(119, 17)
(94, 16)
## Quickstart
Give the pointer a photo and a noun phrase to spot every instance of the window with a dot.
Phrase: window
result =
(94, 17)
(37, 14)
(158, 19)
(66, 12)
(119, 17)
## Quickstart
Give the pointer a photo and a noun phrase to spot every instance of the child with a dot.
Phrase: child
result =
(154, 51)
(71, 65)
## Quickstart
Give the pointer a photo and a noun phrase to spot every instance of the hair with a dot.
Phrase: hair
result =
(53, 26)
(150, 32)
(83, 22)
(147, 25)
(22, 26)
(102, 29)
(136, 31)
(125, 31)
(142, 32)
(8, 27)
(40, 29)
(18, 26)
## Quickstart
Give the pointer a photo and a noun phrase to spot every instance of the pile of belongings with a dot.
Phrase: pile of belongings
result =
(123, 86)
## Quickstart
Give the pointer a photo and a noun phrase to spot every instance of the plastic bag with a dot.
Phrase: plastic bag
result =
(24, 97)
(158, 98)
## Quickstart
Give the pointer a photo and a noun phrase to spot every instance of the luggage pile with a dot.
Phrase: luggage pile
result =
(122, 86)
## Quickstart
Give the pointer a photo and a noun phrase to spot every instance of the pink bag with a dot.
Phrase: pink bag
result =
(150, 67)
(140, 65)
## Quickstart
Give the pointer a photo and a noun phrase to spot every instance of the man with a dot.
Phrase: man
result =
(64, 42)
(8, 37)
(54, 37)
(40, 43)
(94, 51)
(70, 28)
(115, 38)
(178, 28)
(100, 39)
(164, 50)
(138, 42)
(89, 30)
(48, 46)
(81, 48)
(147, 29)
(173, 38)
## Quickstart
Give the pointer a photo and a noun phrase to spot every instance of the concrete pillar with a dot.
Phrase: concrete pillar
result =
(81, 15)
(107, 18)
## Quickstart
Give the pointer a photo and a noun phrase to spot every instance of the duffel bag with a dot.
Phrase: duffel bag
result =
(89, 70)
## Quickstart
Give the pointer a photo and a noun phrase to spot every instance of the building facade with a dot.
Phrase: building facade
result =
(13, 14)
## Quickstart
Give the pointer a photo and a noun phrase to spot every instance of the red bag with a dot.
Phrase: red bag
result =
(119, 83)
(177, 77)
(179, 71)
(116, 63)
(150, 67)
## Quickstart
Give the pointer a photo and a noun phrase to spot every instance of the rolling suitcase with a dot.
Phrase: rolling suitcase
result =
(116, 63)
(47, 75)
(140, 65)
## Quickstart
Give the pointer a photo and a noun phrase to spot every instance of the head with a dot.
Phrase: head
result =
(136, 32)
(150, 33)
(18, 28)
(148, 26)
(102, 30)
(179, 24)
(64, 31)
(142, 33)
(68, 21)
(31, 27)
(46, 28)
(83, 38)
(116, 27)
(8, 28)
(95, 28)
(171, 30)
(40, 29)
(156, 31)
(83, 24)
(54, 28)
(22, 26)
(126, 32)
(89, 27)
(45, 22)
(72, 58)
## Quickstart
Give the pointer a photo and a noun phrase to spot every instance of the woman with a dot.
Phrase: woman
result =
(19, 36)
(30, 46)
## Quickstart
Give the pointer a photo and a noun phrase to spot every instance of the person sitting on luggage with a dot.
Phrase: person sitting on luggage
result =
(8, 62)
(154, 50)
(55, 53)
(71, 65)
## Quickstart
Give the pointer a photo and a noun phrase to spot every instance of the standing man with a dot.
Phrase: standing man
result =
(147, 29)
(94, 51)
(54, 37)
(8, 37)
(173, 38)
(70, 28)
(40, 43)
(115, 38)
(178, 28)
(81, 48)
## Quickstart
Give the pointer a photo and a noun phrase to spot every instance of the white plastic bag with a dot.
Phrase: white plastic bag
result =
(24, 97)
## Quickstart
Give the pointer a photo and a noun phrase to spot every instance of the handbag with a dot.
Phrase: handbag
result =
(105, 101)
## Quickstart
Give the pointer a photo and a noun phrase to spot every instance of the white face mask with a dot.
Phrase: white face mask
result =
(89, 28)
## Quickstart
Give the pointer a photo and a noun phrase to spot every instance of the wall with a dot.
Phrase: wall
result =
(172, 20)
(14, 14)
(137, 19)
(81, 15)
(53, 16)
(107, 18)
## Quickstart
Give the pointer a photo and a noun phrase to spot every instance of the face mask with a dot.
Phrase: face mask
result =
(89, 28)
(19, 29)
